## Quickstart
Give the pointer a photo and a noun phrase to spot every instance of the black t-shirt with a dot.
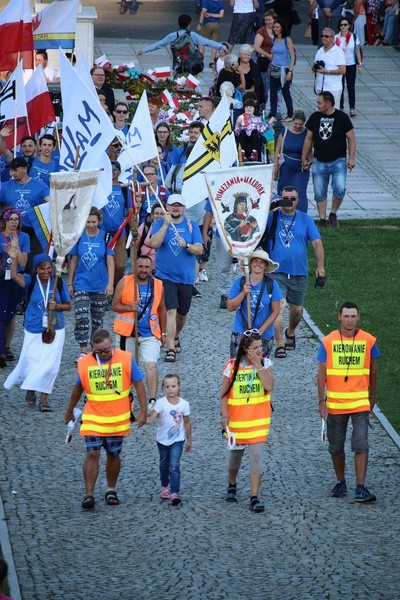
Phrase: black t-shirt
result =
(225, 75)
(329, 133)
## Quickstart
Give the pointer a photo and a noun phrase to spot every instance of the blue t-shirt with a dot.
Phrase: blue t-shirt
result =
(322, 354)
(91, 273)
(173, 262)
(208, 208)
(41, 170)
(136, 373)
(24, 244)
(36, 308)
(24, 196)
(114, 210)
(213, 7)
(264, 309)
(293, 232)
(149, 200)
(145, 293)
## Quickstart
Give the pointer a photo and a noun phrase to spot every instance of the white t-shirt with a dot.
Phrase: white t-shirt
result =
(243, 6)
(333, 58)
(171, 427)
(348, 49)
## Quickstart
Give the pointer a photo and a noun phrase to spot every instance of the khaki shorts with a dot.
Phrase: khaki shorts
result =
(211, 31)
(149, 348)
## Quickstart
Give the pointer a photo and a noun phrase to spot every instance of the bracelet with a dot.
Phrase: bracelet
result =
(360, 64)
(164, 334)
(323, 400)
(69, 284)
(261, 368)
(70, 412)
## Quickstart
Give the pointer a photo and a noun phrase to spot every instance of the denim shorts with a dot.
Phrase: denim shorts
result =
(322, 171)
(336, 426)
(112, 444)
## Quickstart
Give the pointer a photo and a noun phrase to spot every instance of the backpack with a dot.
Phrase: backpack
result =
(29, 290)
(186, 55)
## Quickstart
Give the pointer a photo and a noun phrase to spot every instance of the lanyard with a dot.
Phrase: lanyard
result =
(45, 296)
(287, 229)
(148, 198)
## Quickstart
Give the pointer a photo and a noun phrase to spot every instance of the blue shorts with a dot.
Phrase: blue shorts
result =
(112, 444)
(322, 171)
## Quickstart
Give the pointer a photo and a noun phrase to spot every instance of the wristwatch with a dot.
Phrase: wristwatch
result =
(187, 246)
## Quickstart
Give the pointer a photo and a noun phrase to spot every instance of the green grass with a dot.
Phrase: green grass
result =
(362, 263)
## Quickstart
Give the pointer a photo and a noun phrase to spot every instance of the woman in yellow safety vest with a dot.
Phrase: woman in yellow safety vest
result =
(246, 411)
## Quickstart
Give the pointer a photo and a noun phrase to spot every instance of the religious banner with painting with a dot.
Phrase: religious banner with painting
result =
(240, 199)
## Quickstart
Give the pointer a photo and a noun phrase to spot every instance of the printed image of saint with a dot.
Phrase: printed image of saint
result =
(240, 225)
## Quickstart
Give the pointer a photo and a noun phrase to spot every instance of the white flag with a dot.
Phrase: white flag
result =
(55, 25)
(215, 149)
(71, 196)
(140, 141)
(12, 97)
(85, 123)
(240, 199)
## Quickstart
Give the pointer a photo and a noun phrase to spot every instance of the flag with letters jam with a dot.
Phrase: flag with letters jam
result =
(240, 199)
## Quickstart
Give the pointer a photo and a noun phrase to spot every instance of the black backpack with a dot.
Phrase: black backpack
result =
(186, 55)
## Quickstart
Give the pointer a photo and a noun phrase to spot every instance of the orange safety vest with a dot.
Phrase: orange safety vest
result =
(125, 321)
(107, 388)
(249, 407)
(348, 359)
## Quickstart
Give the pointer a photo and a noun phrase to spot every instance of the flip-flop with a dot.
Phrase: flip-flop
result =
(280, 352)
(292, 340)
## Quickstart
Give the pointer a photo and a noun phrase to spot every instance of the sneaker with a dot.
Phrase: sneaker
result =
(165, 495)
(353, 112)
(322, 223)
(152, 402)
(195, 293)
(362, 494)
(203, 275)
(254, 155)
(231, 494)
(333, 220)
(223, 301)
(339, 490)
(175, 499)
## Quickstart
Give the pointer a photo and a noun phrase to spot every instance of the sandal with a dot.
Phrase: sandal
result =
(292, 341)
(88, 502)
(211, 65)
(170, 356)
(9, 354)
(30, 398)
(111, 498)
(280, 352)
(45, 406)
(256, 506)
(177, 345)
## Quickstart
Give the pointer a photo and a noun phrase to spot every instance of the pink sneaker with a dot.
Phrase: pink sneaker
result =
(175, 499)
(165, 493)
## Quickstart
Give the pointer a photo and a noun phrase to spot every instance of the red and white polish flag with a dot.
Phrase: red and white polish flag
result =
(16, 36)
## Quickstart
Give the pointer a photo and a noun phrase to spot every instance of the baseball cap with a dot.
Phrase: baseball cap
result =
(17, 162)
(176, 199)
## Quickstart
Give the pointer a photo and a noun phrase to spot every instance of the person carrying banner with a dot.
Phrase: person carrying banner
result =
(245, 404)
(148, 311)
(22, 192)
(44, 163)
(177, 241)
(288, 233)
(347, 377)
(265, 297)
(117, 207)
(105, 375)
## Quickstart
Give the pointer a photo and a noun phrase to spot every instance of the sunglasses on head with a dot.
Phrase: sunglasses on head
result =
(250, 332)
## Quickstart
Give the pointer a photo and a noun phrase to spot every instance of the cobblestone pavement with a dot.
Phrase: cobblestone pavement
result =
(306, 545)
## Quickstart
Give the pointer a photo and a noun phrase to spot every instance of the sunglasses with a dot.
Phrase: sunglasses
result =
(328, 36)
(103, 350)
(291, 198)
(343, 24)
(148, 174)
(12, 219)
(250, 332)
(121, 112)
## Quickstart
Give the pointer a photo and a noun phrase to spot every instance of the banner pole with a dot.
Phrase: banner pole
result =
(134, 230)
(247, 280)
